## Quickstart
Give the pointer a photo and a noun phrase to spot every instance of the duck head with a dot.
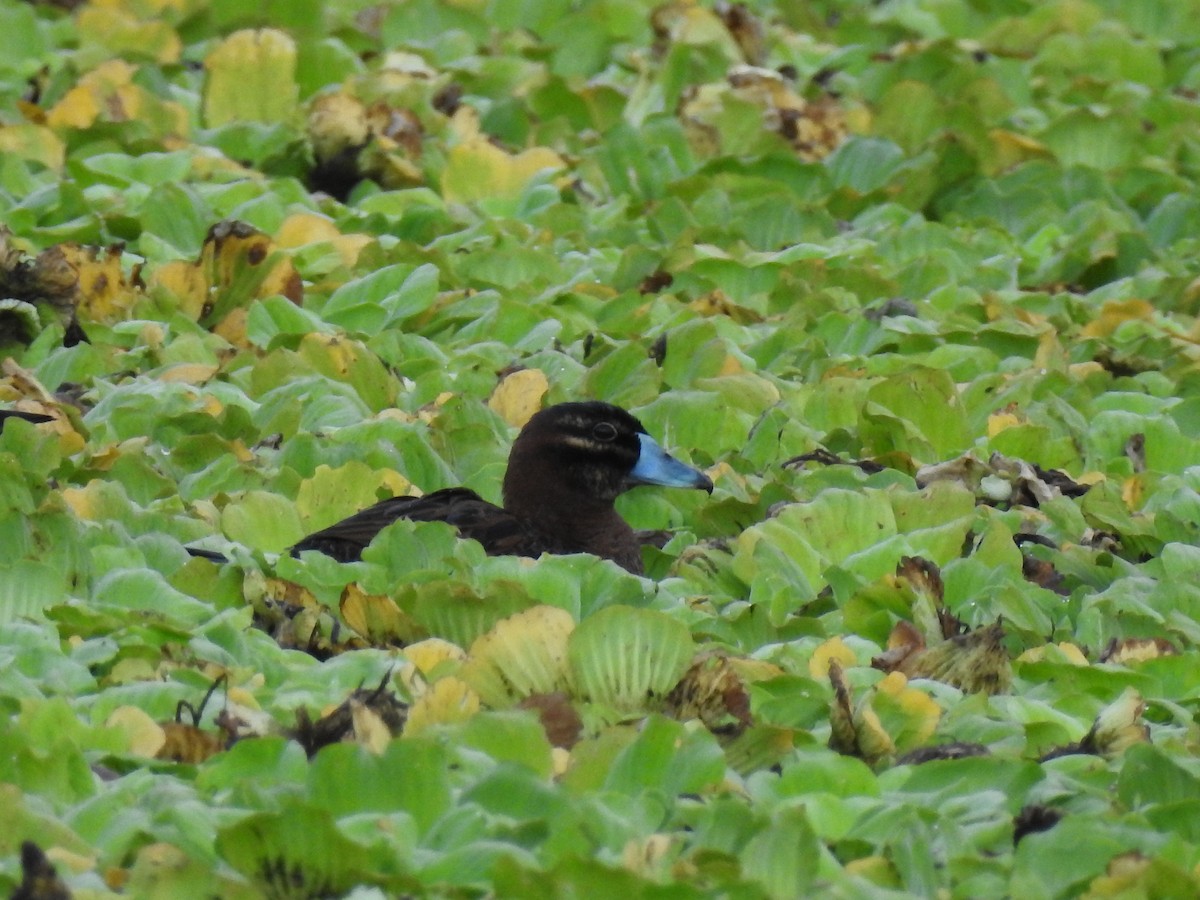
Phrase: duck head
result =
(587, 454)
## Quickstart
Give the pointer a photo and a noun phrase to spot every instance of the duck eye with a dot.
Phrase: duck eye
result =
(604, 431)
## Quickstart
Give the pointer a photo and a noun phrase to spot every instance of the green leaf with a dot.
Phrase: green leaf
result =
(628, 657)
(783, 856)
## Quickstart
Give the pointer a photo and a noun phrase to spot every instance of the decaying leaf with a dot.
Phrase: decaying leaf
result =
(1002, 481)
(426, 660)
(295, 619)
(1132, 651)
(67, 281)
(363, 717)
(352, 141)
(747, 29)
(890, 717)
(39, 879)
(237, 265)
(1033, 818)
(377, 618)
(975, 662)
(559, 717)
(814, 129)
(713, 691)
(825, 458)
(110, 93)
(1117, 728)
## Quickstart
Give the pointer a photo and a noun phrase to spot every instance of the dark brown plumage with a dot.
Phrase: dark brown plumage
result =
(567, 466)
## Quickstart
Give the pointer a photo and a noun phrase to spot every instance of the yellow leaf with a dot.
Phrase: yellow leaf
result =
(303, 229)
(426, 659)
(370, 730)
(1133, 491)
(871, 738)
(233, 328)
(522, 655)
(108, 93)
(519, 395)
(82, 500)
(375, 617)
(337, 123)
(33, 143)
(1061, 652)
(1010, 148)
(912, 714)
(997, 422)
(146, 737)
(447, 700)
(119, 31)
(426, 655)
(833, 650)
(237, 264)
(1116, 313)
(185, 282)
(251, 77)
(731, 365)
(300, 229)
(1050, 354)
(189, 373)
(478, 170)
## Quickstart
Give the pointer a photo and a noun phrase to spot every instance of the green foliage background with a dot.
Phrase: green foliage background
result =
(994, 252)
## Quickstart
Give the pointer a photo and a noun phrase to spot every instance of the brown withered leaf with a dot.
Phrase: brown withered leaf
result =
(560, 719)
(842, 736)
(712, 691)
(859, 729)
(1001, 480)
(923, 579)
(39, 879)
(188, 744)
(904, 640)
(975, 662)
(339, 724)
(1042, 573)
(1033, 818)
(717, 303)
(746, 28)
(656, 281)
(293, 617)
(1117, 728)
(923, 575)
(825, 458)
(813, 128)
(1136, 650)
(952, 750)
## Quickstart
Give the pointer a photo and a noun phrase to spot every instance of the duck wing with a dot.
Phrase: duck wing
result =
(499, 531)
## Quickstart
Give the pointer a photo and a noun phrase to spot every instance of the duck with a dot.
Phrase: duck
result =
(567, 466)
